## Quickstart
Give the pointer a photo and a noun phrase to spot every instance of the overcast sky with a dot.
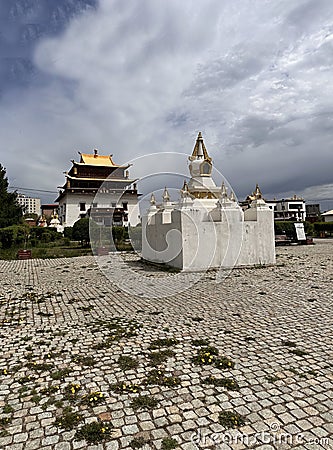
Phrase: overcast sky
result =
(143, 76)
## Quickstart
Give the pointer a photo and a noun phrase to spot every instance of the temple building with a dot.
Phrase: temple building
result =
(97, 187)
(207, 228)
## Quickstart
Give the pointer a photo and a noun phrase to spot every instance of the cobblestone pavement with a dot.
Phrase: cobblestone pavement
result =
(64, 326)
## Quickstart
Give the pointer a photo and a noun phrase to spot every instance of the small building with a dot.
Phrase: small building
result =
(290, 209)
(328, 216)
(97, 187)
(29, 205)
(30, 221)
(207, 228)
(313, 212)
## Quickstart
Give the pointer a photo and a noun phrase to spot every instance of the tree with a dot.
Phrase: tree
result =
(10, 210)
(81, 231)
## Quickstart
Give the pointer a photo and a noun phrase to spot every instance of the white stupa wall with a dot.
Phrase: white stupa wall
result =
(161, 238)
(258, 245)
(190, 243)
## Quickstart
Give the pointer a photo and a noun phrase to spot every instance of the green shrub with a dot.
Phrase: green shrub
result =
(13, 235)
(285, 227)
(81, 231)
(44, 234)
(323, 227)
(68, 232)
(309, 228)
(118, 234)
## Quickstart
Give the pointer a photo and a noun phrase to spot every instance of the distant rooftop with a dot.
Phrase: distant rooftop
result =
(328, 213)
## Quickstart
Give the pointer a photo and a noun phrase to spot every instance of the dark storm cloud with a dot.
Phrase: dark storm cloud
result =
(23, 23)
(139, 77)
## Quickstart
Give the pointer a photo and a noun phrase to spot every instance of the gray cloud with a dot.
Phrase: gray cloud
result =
(133, 78)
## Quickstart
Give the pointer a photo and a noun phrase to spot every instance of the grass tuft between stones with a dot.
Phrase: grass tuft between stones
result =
(164, 342)
(231, 419)
(127, 362)
(139, 442)
(228, 383)
(169, 443)
(144, 402)
(94, 432)
(158, 358)
(69, 419)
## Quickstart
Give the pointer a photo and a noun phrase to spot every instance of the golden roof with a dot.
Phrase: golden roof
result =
(97, 160)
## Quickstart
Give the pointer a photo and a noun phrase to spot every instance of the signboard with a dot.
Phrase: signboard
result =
(300, 231)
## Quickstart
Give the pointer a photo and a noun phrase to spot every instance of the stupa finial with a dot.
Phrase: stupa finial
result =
(224, 193)
(257, 192)
(152, 199)
(200, 151)
(166, 196)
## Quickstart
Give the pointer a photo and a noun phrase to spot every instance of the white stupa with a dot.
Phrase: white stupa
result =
(55, 223)
(207, 228)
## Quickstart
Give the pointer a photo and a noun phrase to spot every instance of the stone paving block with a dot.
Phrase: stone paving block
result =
(62, 446)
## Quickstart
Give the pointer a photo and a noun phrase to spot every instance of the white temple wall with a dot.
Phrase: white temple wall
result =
(106, 200)
(73, 207)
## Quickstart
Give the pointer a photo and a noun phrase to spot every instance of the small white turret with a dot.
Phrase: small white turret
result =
(166, 196)
(186, 199)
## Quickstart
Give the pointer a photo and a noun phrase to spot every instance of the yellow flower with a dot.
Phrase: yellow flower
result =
(103, 430)
(5, 371)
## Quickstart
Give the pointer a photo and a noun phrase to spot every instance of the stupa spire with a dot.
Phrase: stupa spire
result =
(152, 199)
(166, 196)
(257, 192)
(200, 151)
(224, 193)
